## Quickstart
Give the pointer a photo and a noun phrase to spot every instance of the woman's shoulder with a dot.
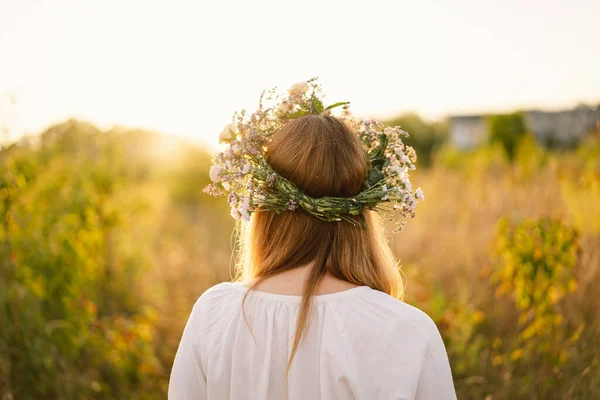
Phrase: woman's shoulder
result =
(396, 315)
(218, 293)
(215, 306)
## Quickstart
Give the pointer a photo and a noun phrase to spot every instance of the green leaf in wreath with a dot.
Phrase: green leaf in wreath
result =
(379, 151)
(379, 162)
(374, 176)
(341, 103)
(363, 221)
(297, 114)
(317, 105)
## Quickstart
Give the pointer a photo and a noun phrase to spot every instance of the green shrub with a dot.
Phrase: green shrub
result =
(425, 137)
(507, 129)
(72, 323)
(535, 263)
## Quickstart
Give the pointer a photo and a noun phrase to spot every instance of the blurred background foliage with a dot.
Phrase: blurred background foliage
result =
(425, 137)
(508, 130)
(106, 241)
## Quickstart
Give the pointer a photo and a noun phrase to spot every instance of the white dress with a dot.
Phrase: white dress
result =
(361, 344)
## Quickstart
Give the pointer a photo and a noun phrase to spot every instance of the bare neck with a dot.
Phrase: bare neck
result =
(291, 282)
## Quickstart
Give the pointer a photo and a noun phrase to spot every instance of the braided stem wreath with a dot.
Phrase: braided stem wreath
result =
(252, 185)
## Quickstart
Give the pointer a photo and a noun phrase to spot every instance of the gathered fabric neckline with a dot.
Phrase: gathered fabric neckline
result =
(297, 298)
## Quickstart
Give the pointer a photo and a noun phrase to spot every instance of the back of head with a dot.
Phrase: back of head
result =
(320, 155)
(323, 157)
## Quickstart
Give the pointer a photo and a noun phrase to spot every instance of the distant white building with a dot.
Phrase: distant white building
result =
(467, 131)
(548, 127)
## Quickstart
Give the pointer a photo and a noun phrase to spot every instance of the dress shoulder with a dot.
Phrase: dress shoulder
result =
(218, 292)
(212, 311)
(401, 315)
(218, 301)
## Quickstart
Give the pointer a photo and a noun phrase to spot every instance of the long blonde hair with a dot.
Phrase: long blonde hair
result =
(323, 157)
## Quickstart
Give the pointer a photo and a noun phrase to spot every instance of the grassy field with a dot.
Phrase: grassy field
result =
(106, 241)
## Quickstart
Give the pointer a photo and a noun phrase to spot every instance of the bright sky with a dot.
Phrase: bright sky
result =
(183, 67)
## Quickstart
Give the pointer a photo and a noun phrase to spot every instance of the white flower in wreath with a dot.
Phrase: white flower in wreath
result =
(298, 88)
(403, 174)
(244, 208)
(420, 194)
(237, 149)
(386, 195)
(228, 133)
(404, 159)
(284, 107)
(214, 173)
(412, 205)
(400, 171)
(245, 215)
(235, 213)
(245, 168)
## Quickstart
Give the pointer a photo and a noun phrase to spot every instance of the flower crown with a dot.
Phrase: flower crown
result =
(252, 185)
